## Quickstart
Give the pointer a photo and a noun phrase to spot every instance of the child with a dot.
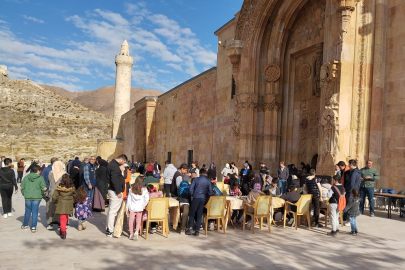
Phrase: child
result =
(234, 190)
(82, 207)
(153, 193)
(226, 180)
(353, 210)
(274, 190)
(138, 198)
(334, 194)
(325, 186)
(63, 198)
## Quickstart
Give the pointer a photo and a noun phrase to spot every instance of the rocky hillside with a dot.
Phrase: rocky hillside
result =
(102, 99)
(42, 124)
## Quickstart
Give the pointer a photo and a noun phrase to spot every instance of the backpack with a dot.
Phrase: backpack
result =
(342, 200)
(183, 189)
(216, 190)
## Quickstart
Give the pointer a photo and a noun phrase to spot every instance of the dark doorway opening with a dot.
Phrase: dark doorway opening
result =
(314, 161)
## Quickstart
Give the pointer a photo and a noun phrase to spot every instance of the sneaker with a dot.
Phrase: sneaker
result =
(50, 227)
(347, 224)
(190, 232)
(80, 227)
(320, 225)
(332, 233)
(197, 233)
(10, 214)
(144, 231)
(136, 236)
(131, 237)
(291, 221)
(337, 232)
(249, 225)
(24, 227)
(5, 216)
(354, 233)
(351, 233)
(372, 215)
(153, 230)
(33, 230)
(108, 233)
(84, 225)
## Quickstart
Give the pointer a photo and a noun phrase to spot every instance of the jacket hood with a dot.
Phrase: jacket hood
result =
(33, 176)
(328, 186)
(6, 169)
(63, 188)
(171, 167)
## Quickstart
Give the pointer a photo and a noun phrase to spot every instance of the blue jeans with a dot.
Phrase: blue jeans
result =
(90, 192)
(31, 207)
(353, 224)
(282, 184)
(370, 195)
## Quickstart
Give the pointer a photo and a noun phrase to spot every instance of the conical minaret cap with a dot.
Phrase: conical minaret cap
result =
(124, 48)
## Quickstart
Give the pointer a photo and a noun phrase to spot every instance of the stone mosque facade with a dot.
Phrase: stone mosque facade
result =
(314, 81)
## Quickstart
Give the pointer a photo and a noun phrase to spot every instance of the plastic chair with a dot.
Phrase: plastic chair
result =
(324, 210)
(225, 191)
(156, 185)
(220, 185)
(262, 208)
(157, 212)
(303, 206)
(215, 210)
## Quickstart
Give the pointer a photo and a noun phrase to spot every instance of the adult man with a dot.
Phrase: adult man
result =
(20, 170)
(177, 178)
(7, 184)
(353, 182)
(47, 170)
(368, 177)
(200, 189)
(344, 172)
(313, 188)
(283, 174)
(291, 196)
(168, 176)
(264, 169)
(89, 176)
(32, 188)
(115, 177)
(149, 179)
(33, 163)
(293, 170)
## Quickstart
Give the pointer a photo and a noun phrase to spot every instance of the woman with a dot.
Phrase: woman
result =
(226, 171)
(194, 169)
(212, 172)
(100, 192)
(54, 179)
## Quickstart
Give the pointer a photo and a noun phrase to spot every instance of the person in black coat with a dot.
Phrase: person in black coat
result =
(212, 172)
(75, 175)
(8, 185)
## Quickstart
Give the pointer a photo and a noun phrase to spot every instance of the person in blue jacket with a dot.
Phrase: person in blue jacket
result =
(200, 189)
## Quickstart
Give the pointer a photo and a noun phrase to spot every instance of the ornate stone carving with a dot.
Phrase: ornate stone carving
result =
(346, 8)
(244, 100)
(318, 61)
(330, 125)
(272, 72)
(247, 18)
(309, 25)
(235, 51)
(328, 78)
(305, 72)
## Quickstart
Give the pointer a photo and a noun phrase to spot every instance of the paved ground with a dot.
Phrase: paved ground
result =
(380, 245)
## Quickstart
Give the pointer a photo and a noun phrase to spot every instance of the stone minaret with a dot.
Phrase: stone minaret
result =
(122, 97)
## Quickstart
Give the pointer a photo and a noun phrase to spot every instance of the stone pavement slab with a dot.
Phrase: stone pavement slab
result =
(380, 245)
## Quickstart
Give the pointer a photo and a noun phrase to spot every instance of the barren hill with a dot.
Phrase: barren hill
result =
(102, 99)
(40, 124)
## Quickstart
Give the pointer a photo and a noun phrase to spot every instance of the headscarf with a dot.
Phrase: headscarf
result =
(227, 166)
(102, 163)
(58, 169)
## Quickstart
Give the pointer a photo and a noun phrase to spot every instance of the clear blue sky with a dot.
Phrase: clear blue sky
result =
(72, 43)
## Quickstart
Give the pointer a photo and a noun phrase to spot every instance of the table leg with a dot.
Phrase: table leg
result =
(389, 207)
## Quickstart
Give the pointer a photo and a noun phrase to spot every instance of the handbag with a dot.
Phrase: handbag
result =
(46, 196)
(145, 215)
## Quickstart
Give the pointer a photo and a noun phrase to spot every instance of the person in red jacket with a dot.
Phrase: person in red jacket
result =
(150, 166)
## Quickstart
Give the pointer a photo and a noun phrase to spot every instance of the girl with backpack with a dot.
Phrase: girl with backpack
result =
(63, 198)
(353, 210)
(184, 200)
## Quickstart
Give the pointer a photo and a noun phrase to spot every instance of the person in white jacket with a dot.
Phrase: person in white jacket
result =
(225, 171)
(138, 198)
(168, 175)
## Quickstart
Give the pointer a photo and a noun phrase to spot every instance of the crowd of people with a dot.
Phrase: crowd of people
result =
(80, 187)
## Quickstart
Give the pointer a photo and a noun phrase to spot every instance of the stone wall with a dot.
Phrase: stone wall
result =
(393, 116)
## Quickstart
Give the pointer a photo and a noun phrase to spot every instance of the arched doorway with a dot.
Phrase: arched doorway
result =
(314, 161)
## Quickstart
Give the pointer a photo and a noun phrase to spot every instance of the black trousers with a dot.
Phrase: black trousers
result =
(167, 190)
(20, 176)
(196, 211)
(6, 192)
(315, 202)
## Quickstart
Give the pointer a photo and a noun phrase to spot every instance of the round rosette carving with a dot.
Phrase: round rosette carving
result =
(305, 72)
(272, 73)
